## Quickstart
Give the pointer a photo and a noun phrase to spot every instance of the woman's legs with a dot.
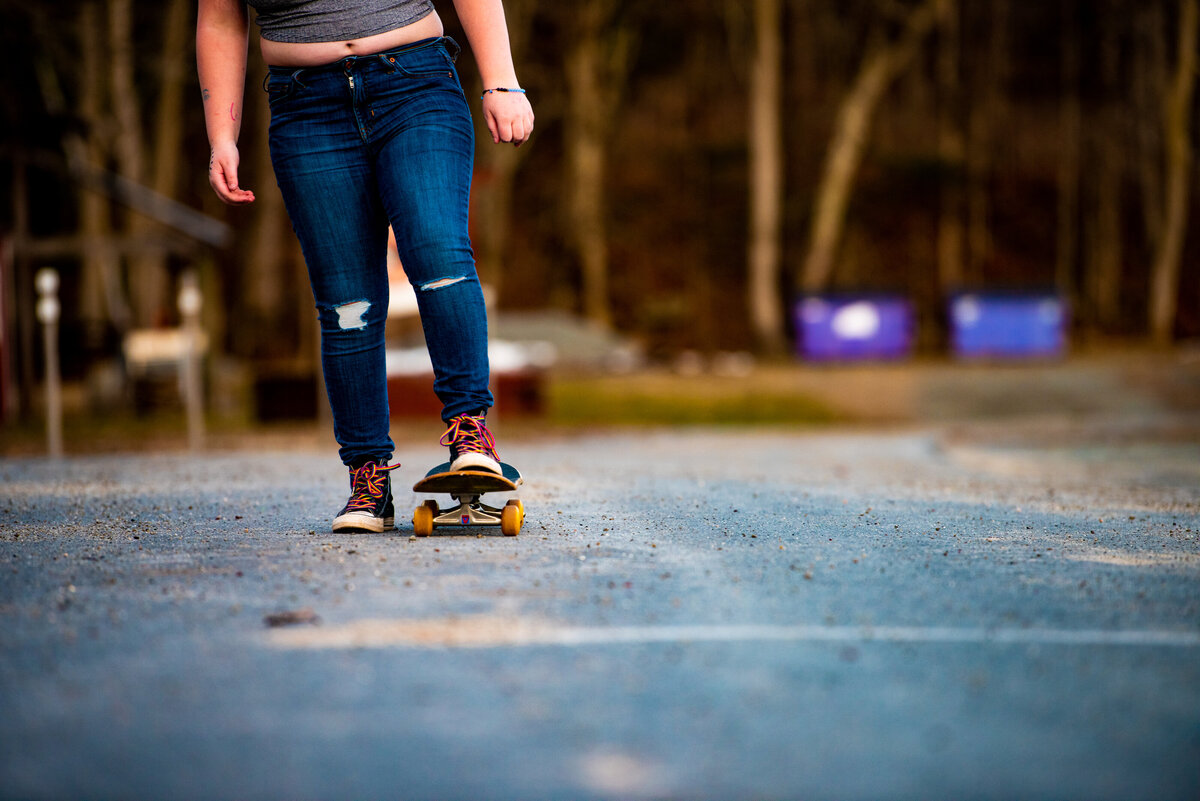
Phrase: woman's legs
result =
(355, 145)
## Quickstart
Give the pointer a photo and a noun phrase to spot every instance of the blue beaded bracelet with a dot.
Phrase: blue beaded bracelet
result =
(487, 92)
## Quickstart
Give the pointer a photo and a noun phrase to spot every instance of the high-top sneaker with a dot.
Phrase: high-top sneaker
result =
(370, 506)
(472, 446)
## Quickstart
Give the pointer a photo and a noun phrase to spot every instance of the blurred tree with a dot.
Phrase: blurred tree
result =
(596, 55)
(1070, 127)
(765, 136)
(951, 143)
(1102, 226)
(174, 64)
(147, 278)
(1176, 122)
(102, 300)
(881, 64)
(984, 119)
(1150, 85)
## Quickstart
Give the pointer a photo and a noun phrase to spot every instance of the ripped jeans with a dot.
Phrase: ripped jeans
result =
(357, 145)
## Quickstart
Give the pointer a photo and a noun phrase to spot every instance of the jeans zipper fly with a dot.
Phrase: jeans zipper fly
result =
(357, 104)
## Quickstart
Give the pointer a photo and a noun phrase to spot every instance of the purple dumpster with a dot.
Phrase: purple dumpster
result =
(1008, 325)
(848, 327)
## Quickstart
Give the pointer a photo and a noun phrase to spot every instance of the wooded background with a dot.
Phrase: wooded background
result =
(696, 167)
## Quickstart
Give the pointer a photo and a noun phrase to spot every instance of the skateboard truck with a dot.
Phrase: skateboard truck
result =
(466, 488)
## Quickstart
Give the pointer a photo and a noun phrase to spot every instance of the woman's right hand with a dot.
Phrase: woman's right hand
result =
(223, 175)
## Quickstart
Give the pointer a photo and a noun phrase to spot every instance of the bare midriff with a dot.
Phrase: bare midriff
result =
(313, 54)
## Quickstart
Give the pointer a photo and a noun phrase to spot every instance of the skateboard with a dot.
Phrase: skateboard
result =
(466, 487)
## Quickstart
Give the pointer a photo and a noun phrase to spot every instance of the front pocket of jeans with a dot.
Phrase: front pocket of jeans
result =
(279, 87)
(438, 67)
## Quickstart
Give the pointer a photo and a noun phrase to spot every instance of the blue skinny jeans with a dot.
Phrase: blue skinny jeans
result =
(357, 145)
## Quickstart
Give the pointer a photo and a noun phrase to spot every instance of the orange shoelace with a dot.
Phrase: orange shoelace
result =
(469, 434)
(366, 485)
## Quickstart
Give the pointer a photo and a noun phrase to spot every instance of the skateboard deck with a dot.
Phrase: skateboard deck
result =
(466, 487)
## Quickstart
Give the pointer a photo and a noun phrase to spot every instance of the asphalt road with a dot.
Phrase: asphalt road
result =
(976, 611)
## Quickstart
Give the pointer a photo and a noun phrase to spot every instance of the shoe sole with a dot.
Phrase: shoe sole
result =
(374, 525)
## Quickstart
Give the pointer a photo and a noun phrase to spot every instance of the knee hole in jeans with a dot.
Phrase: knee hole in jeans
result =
(352, 315)
(441, 283)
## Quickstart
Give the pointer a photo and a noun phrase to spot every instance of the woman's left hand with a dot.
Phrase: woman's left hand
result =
(509, 117)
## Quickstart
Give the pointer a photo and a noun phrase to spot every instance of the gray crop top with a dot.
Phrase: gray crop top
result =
(334, 20)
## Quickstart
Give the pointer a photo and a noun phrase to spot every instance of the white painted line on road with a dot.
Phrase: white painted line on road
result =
(486, 632)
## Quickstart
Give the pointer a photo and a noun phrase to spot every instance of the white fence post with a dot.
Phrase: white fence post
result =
(190, 302)
(48, 312)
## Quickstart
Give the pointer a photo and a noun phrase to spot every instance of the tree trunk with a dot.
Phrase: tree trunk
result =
(951, 151)
(766, 177)
(100, 299)
(124, 92)
(168, 116)
(880, 67)
(1105, 240)
(1177, 105)
(1070, 125)
(146, 277)
(586, 192)
(1150, 81)
(597, 63)
(983, 144)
